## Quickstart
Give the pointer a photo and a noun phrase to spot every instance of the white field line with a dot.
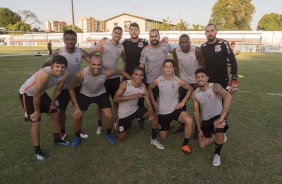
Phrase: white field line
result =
(277, 94)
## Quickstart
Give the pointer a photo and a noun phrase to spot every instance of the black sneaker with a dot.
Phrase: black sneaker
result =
(61, 142)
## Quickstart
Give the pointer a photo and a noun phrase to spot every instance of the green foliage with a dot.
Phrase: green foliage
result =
(29, 17)
(181, 26)
(7, 17)
(270, 22)
(164, 26)
(19, 26)
(197, 27)
(69, 27)
(232, 14)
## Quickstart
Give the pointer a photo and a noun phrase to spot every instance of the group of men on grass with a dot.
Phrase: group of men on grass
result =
(149, 77)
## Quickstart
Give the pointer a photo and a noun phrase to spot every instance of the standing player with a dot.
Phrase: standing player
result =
(111, 50)
(169, 108)
(187, 58)
(209, 97)
(127, 95)
(92, 80)
(153, 57)
(74, 57)
(216, 52)
(36, 101)
(133, 48)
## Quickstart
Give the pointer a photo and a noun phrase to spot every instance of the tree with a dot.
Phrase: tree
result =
(19, 26)
(181, 26)
(29, 17)
(270, 22)
(7, 17)
(232, 14)
(69, 27)
(197, 27)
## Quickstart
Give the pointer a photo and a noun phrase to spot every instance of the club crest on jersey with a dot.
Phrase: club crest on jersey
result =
(140, 44)
(217, 48)
(100, 81)
(76, 60)
(173, 86)
(164, 52)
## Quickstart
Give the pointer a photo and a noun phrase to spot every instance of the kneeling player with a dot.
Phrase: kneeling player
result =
(127, 95)
(36, 101)
(209, 96)
(92, 80)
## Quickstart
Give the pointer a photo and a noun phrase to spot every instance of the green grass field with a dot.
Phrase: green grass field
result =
(252, 153)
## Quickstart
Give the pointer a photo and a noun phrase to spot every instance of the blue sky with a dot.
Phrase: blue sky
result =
(191, 11)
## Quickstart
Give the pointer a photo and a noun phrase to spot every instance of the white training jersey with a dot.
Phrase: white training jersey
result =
(188, 64)
(29, 86)
(92, 86)
(74, 63)
(111, 56)
(168, 94)
(211, 104)
(128, 107)
(153, 59)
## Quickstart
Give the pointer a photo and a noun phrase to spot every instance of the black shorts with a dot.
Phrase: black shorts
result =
(125, 123)
(64, 97)
(208, 127)
(102, 101)
(165, 119)
(27, 103)
(112, 86)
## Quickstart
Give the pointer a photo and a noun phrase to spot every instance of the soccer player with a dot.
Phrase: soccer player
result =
(187, 58)
(127, 95)
(36, 101)
(92, 80)
(111, 50)
(216, 52)
(209, 97)
(74, 57)
(153, 57)
(133, 48)
(169, 108)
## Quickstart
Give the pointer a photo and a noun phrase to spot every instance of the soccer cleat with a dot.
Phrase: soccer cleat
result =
(110, 138)
(216, 160)
(179, 129)
(99, 130)
(156, 143)
(186, 149)
(63, 135)
(83, 135)
(40, 156)
(141, 123)
(76, 142)
(61, 142)
(225, 138)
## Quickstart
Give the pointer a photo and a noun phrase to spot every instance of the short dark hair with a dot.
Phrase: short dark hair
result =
(201, 70)
(139, 68)
(168, 61)
(211, 24)
(70, 32)
(184, 36)
(117, 28)
(59, 59)
(134, 24)
(155, 30)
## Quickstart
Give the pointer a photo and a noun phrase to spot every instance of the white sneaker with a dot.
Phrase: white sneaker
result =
(225, 138)
(216, 160)
(83, 135)
(156, 143)
(99, 130)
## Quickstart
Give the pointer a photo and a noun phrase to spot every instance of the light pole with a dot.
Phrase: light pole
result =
(72, 12)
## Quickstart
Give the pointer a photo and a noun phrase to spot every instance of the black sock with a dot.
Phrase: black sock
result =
(154, 133)
(77, 134)
(217, 148)
(37, 149)
(108, 131)
(56, 136)
(185, 142)
(63, 130)
(99, 122)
